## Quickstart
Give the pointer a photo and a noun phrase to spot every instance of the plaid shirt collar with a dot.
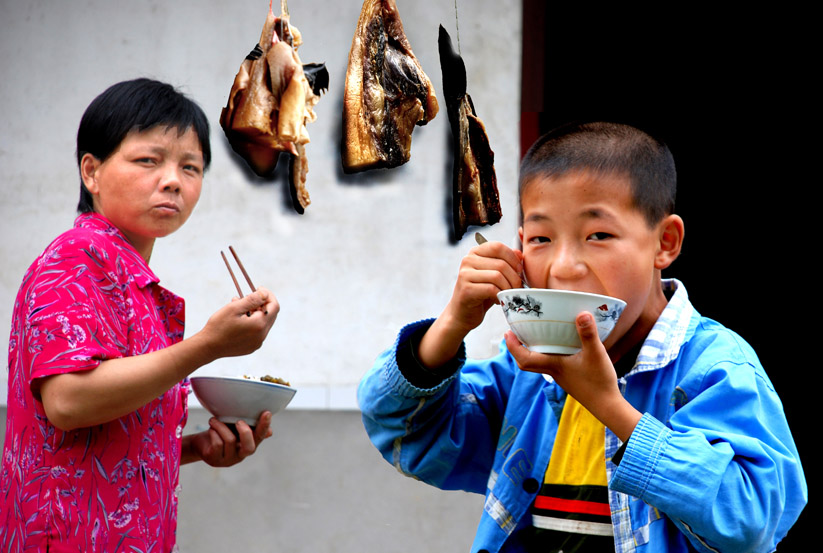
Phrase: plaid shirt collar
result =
(663, 343)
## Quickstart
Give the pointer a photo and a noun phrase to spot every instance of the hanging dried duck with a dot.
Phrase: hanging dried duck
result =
(271, 100)
(386, 92)
(475, 199)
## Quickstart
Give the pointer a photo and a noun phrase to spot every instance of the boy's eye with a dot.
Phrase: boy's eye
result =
(599, 236)
(540, 240)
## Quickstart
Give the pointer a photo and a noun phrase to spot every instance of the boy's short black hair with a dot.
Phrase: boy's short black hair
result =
(608, 148)
(135, 105)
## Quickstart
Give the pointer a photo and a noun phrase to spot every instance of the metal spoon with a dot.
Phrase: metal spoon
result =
(480, 239)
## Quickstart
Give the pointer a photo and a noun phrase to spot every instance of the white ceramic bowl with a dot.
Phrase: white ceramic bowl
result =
(234, 398)
(543, 319)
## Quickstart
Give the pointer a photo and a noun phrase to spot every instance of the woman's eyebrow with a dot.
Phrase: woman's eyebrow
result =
(189, 155)
(196, 156)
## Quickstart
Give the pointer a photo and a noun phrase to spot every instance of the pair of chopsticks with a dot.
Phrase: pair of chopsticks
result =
(245, 274)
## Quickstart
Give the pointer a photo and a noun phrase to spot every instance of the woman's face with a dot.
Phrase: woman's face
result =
(149, 186)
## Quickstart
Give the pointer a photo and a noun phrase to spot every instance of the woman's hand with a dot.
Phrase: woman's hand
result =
(240, 327)
(220, 447)
(588, 376)
(119, 386)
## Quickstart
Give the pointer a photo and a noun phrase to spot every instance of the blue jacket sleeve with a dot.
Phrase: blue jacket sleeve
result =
(446, 435)
(724, 466)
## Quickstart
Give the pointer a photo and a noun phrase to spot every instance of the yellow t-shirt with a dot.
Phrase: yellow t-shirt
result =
(571, 511)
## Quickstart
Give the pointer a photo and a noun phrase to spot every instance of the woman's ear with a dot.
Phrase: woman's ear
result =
(88, 170)
(671, 232)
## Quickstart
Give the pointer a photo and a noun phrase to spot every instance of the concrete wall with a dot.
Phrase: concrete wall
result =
(345, 271)
(370, 254)
(316, 486)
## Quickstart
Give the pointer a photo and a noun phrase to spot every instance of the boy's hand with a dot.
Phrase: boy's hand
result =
(588, 376)
(486, 270)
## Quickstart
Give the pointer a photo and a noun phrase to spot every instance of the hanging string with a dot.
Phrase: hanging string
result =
(457, 27)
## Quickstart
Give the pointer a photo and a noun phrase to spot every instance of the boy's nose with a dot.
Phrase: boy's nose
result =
(566, 264)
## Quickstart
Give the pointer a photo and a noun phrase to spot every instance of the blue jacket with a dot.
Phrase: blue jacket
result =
(711, 466)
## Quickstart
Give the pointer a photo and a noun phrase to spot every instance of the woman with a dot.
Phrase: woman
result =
(97, 361)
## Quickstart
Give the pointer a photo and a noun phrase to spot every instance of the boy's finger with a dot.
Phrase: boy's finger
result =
(520, 352)
(586, 328)
(498, 250)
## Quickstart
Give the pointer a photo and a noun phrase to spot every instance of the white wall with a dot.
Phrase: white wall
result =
(316, 486)
(370, 254)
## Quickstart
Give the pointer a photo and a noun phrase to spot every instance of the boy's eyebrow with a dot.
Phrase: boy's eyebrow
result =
(597, 213)
(590, 213)
(536, 218)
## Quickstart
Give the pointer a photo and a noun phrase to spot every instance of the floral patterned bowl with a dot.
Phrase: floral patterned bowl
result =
(234, 398)
(543, 319)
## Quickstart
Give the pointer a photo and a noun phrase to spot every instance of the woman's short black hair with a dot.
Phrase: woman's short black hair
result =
(135, 105)
(608, 148)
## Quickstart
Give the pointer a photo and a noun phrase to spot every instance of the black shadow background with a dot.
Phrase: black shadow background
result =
(730, 93)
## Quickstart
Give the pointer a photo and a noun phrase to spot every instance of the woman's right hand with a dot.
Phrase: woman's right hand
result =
(119, 386)
(240, 327)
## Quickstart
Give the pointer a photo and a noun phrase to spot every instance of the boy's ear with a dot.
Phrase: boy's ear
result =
(671, 231)
(88, 168)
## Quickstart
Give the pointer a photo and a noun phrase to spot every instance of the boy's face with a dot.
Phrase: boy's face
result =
(582, 232)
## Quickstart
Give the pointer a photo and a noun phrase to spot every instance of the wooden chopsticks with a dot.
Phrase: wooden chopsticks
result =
(243, 270)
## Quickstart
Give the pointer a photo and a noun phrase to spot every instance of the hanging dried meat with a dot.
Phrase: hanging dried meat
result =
(475, 200)
(271, 100)
(386, 93)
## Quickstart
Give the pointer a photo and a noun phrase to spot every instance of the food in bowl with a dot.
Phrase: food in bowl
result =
(267, 378)
(234, 398)
(543, 319)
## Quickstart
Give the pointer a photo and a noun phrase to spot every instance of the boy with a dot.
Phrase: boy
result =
(668, 436)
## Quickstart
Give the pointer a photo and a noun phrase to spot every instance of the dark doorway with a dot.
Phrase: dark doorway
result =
(729, 93)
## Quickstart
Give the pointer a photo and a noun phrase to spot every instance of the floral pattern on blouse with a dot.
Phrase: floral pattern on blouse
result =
(111, 487)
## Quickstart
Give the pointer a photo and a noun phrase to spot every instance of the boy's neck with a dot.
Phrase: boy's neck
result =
(636, 335)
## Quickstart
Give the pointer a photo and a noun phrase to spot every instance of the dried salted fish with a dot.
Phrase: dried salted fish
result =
(475, 199)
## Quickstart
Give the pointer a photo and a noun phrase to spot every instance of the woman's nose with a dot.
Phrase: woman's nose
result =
(170, 180)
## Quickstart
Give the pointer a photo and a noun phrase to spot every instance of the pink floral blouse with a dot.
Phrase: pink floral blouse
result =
(111, 487)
